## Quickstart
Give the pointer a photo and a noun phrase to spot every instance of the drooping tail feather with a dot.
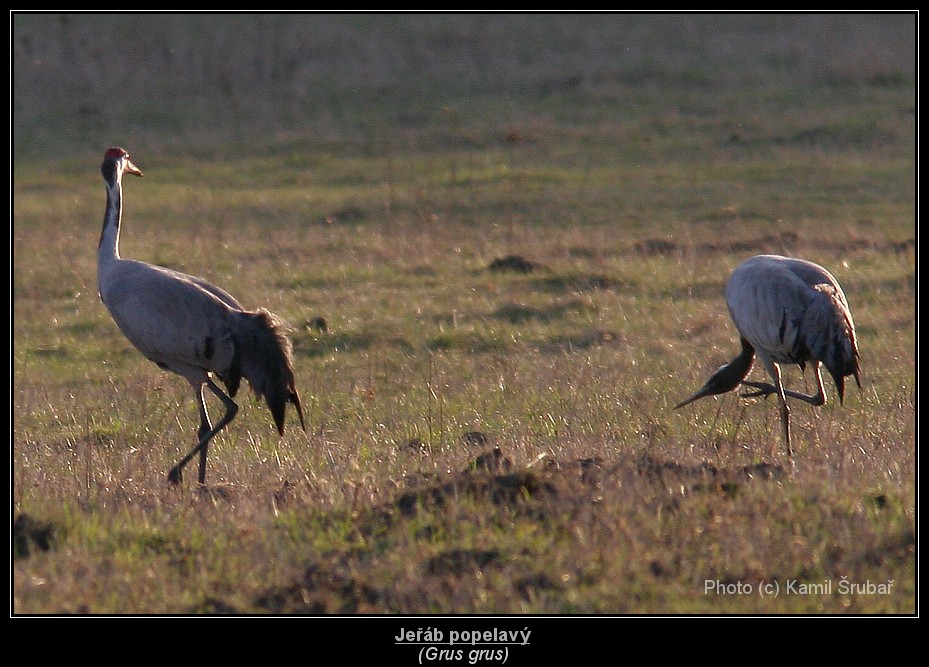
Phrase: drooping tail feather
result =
(833, 341)
(840, 363)
(266, 360)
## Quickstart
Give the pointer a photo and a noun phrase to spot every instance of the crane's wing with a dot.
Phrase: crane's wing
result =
(829, 335)
(174, 320)
(768, 303)
(218, 292)
(794, 311)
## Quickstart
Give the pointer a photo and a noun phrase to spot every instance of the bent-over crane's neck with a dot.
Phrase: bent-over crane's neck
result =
(727, 377)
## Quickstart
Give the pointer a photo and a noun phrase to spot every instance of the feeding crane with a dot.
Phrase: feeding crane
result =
(188, 326)
(787, 311)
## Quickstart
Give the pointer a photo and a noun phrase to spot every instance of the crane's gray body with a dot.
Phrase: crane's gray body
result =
(177, 321)
(793, 311)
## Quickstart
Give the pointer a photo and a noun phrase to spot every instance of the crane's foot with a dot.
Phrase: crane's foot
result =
(764, 389)
(174, 476)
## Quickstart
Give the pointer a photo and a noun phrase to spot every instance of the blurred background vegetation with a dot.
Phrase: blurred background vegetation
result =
(185, 82)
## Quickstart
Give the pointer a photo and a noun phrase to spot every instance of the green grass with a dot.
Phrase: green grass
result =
(369, 171)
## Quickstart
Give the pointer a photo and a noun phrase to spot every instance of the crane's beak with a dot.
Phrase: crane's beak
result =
(132, 169)
(706, 390)
(726, 378)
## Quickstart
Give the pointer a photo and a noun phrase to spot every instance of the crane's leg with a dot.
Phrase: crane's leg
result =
(205, 427)
(785, 410)
(778, 388)
(205, 433)
(765, 388)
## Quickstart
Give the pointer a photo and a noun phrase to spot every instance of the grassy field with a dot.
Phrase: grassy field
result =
(482, 438)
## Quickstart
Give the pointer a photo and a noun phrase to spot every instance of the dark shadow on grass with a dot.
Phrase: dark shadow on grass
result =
(346, 341)
(587, 282)
(516, 313)
(514, 264)
(31, 535)
(581, 341)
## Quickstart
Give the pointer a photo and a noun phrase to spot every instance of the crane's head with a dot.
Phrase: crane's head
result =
(727, 377)
(720, 382)
(116, 162)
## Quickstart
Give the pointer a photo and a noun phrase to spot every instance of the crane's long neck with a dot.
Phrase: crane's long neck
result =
(108, 248)
(728, 377)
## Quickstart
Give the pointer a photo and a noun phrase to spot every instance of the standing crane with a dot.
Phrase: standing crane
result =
(787, 311)
(190, 327)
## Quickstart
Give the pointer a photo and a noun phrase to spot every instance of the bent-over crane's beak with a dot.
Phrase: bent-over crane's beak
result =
(706, 390)
(727, 377)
